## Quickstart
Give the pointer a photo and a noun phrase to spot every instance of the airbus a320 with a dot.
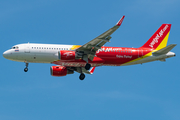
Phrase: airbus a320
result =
(83, 59)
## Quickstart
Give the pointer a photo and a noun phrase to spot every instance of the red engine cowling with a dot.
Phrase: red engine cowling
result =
(66, 55)
(60, 71)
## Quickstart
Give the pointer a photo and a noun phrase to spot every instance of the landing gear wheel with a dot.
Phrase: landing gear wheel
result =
(88, 66)
(25, 69)
(82, 76)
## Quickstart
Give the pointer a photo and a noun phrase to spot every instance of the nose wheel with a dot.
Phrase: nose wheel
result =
(26, 68)
(82, 76)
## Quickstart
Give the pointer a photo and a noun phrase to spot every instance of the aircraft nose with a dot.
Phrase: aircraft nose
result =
(6, 54)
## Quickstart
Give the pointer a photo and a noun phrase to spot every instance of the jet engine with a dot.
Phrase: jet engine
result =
(66, 55)
(60, 71)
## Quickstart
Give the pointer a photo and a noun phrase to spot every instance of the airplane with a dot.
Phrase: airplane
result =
(83, 59)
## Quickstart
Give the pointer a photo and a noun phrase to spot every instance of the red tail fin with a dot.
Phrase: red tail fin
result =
(159, 38)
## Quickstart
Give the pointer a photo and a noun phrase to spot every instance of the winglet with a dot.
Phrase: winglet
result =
(120, 21)
(92, 70)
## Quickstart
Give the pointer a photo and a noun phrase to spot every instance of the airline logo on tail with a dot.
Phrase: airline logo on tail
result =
(159, 35)
(159, 39)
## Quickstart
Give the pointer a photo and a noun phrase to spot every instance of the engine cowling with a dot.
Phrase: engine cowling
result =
(66, 55)
(60, 71)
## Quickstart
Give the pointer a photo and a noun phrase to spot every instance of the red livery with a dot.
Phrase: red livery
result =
(83, 59)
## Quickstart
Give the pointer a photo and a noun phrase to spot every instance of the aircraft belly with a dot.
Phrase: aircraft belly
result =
(34, 57)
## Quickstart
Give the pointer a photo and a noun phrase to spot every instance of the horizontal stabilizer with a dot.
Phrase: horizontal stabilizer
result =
(164, 50)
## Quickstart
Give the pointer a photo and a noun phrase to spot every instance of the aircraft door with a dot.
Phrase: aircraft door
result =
(27, 48)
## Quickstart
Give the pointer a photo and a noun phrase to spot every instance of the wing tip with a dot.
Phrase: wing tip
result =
(120, 21)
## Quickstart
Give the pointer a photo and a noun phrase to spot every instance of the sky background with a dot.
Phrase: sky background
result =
(140, 92)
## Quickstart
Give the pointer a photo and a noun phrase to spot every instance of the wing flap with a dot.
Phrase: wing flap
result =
(88, 72)
(83, 70)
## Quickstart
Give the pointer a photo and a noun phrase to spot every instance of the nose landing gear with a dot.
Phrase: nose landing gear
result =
(26, 68)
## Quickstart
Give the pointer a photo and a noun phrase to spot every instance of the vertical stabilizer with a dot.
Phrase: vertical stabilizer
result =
(159, 38)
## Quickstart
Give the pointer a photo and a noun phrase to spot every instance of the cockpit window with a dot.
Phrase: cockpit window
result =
(15, 47)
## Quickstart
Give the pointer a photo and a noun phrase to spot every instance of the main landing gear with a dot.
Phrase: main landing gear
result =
(26, 68)
(82, 76)
(85, 58)
(88, 66)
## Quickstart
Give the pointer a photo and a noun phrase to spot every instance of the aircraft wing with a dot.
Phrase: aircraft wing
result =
(88, 72)
(83, 70)
(91, 47)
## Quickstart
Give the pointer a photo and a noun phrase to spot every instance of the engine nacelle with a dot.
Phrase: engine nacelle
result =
(66, 55)
(60, 71)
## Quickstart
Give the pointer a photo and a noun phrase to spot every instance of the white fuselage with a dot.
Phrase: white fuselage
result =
(36, 53)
